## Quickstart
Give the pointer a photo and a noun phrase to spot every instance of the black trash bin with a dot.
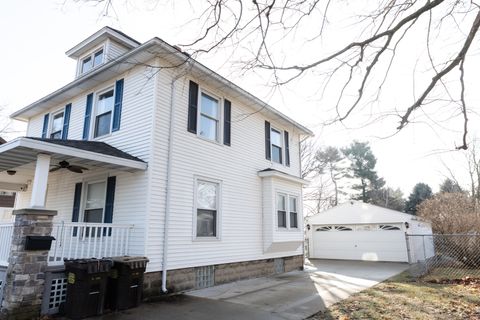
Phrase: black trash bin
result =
(125, 284)
(86, 287)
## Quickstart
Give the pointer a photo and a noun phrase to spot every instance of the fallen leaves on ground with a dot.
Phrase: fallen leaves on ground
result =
(403, 298)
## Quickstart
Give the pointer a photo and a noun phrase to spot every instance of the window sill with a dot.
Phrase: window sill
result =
(206, 239)
(216, 142)
(101, 137)
(288, 229)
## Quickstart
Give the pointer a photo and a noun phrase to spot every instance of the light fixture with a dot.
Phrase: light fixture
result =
(11, 172)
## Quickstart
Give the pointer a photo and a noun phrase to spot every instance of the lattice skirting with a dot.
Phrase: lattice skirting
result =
(3, 274)
(55, 292)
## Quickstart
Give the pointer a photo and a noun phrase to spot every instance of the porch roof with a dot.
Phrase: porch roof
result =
(87, 153)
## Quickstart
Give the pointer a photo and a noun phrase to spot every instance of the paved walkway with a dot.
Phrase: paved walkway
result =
(292, 296)
(297, 295)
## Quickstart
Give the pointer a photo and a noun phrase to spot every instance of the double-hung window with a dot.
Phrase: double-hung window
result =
(103, 114)
(209, 117)
(276, 140)
(207, 202)
(92, 61)
(94, 202)
(287, 211)
(57, 125)
(293, 212)
(282, 210)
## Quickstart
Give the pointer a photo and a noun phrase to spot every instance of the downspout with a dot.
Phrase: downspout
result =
(169, 181)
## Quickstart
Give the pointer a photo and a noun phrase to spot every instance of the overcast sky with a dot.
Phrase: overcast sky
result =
(36, 34)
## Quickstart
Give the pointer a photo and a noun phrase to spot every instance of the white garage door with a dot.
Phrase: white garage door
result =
(359, 242)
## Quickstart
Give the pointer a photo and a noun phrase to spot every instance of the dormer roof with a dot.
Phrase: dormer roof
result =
(99, 37)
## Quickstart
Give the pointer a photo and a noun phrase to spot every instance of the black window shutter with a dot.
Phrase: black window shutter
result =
(192, 107)
(227, 122)
(45, 126)
(287, 149)
(117, 108)
(268, 146)
(109, 199)
(88, 112)
(66, 121)
(76, 205)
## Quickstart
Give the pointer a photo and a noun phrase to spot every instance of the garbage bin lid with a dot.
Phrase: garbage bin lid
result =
(127, 259)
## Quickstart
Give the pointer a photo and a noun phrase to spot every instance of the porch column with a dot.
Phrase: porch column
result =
(40, 180)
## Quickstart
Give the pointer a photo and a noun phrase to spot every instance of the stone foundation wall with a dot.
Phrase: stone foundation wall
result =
(185, 279)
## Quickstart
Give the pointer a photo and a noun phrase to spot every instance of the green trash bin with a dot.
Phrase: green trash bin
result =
(86, 287)
(125, 284)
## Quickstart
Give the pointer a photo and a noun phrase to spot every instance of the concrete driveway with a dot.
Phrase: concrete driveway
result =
(293, 295)
(298, 295)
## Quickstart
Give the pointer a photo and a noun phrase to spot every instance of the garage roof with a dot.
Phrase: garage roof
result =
(356, 212)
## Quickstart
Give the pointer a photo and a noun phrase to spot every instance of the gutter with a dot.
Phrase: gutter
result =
(17, 114)
(183, 58)
(168, 192)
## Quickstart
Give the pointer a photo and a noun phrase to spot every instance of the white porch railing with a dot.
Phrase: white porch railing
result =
(6, 231)
(75, 240)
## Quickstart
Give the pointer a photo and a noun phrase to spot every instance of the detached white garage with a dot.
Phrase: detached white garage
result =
(361, 231)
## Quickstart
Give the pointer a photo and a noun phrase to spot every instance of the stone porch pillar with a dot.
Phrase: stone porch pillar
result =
(25, 279)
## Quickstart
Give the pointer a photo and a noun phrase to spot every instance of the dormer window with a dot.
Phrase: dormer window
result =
(57, 126)
(92, 61)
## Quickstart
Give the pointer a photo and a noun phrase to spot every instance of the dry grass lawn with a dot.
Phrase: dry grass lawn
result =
(402, 297)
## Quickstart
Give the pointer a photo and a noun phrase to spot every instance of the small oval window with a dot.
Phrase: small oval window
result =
(388, 227)
(324, 228)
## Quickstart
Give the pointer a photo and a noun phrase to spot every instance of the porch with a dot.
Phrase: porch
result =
(75, 240)
(78, 179)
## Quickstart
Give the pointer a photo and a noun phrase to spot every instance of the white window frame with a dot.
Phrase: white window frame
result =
(50, 125)
(94, 114)
(219, 183)
(91, 55)
(289, 211)
(279, 194)
(282, 145)
(83, 206)
(287, 196)
(220, 119)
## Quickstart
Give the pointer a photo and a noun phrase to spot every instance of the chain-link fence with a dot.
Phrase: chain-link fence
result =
(444, 256)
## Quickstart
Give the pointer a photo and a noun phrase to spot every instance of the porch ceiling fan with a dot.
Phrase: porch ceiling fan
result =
(66, 165)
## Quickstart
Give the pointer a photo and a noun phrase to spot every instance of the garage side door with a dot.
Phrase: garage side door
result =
(378, 245)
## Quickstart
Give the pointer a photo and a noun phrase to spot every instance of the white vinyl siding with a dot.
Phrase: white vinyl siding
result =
(236, 166)
(140, 197)
(114, 50)
(135, 125)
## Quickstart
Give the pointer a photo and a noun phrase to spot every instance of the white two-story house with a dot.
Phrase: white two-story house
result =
(182, 166)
